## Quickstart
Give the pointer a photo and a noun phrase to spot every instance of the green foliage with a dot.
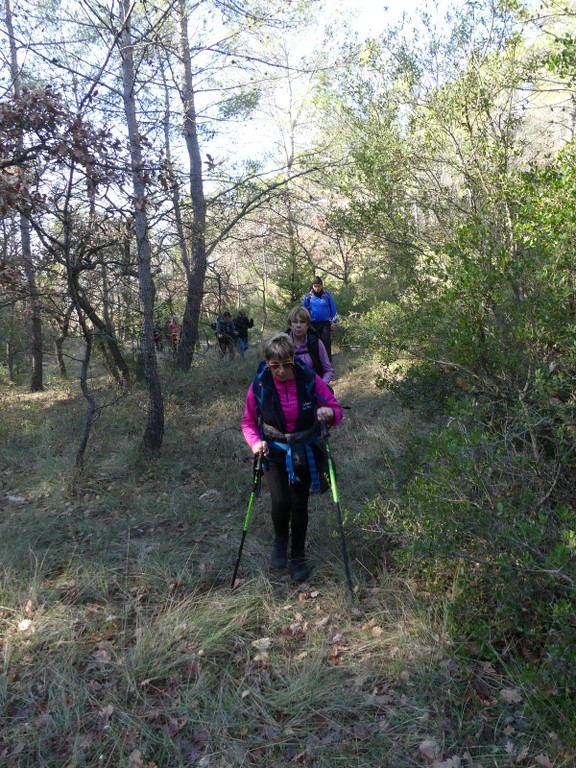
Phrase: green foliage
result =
(4, 376)
(240, 105)
(562, 59)
(490, 523)
(403, 328)
(426, 387)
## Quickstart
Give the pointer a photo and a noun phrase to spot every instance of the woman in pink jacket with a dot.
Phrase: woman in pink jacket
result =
(285, 405)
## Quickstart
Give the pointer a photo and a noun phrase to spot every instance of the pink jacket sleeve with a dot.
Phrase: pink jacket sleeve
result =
(250, 420)
(327, 394)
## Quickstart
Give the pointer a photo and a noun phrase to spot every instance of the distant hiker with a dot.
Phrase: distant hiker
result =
(241, 325)
(226, 335)
(284, 407)
(308, 347)
(322, 307)
(173, 332)
(158, 338)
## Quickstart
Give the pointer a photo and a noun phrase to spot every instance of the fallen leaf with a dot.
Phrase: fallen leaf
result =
(451, 762)
(210, 493)
(511, 695)
(135, 759)
(544, 760)
(105, 715)
(430, 749)
(262, 644)
(177, 724)
(25, 625)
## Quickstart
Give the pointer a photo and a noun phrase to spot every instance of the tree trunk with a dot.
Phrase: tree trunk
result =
(90, 401)
(196, 272)
(154, 433)
(64, 326)
(36, 383)
(117, 365)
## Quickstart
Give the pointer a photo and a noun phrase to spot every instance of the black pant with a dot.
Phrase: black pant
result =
(325, 332)
(289, 504)
(226, 344)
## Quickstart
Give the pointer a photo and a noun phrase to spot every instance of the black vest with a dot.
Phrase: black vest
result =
(268, 402)
(312, 339)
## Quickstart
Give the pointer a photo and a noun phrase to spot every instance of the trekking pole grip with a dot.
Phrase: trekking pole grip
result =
(324, 430)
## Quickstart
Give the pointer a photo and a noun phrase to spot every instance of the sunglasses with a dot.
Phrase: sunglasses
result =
(283, 364)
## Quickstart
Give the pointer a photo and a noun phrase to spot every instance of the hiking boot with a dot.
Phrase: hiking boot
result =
(279, 556)
(299, 568)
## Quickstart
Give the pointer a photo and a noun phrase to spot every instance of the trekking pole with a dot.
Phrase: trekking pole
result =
(255, 492)
(325, 434)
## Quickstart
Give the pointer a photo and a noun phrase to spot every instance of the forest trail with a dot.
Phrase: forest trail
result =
(119, 596)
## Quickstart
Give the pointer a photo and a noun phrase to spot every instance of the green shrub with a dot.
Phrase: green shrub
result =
(478, 522)
(423, 387)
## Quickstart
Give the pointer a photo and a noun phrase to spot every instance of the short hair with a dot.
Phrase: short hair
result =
(226, 314)
(299, 313)
(317, 280)
(242, 312)
(279, 346)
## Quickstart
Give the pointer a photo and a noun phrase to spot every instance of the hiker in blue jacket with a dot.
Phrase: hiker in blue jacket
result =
(322, 308)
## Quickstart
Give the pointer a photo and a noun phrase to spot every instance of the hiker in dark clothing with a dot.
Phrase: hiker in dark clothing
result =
(308, 347)
(158, 338)
(241, 325)
(322, 307)
(284, 407)
(226, 335)
(173, 333)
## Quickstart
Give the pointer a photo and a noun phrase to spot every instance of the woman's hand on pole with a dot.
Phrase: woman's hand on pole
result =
(260, 449)
(325, 414)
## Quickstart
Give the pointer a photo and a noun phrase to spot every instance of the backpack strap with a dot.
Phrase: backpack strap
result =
(302, 439)
(313, 339)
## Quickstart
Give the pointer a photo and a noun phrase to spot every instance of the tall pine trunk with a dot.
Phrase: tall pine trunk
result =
(36, 383)
(154, 433)
(196, 271)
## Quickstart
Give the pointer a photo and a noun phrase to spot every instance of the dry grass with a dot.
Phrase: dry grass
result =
(123, 644)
